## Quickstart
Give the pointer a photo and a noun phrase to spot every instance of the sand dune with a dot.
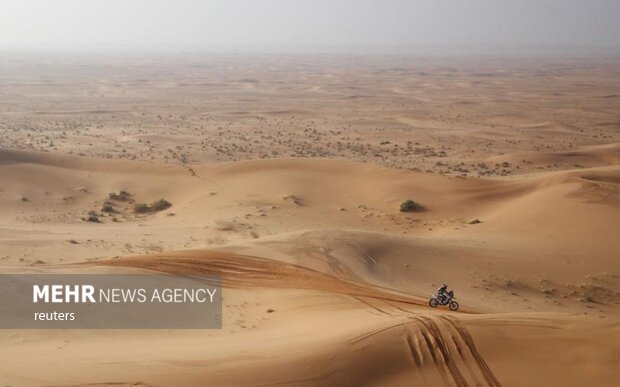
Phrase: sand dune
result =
(286, 177)
(326, 282)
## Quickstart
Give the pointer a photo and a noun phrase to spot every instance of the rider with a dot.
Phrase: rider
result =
(442, 292)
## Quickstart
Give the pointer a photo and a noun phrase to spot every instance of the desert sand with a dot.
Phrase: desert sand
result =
(285, 174)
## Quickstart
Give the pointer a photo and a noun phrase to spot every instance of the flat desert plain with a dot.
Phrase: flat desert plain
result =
(285, 174)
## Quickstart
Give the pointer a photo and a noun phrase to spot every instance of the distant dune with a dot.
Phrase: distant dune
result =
(326, 282)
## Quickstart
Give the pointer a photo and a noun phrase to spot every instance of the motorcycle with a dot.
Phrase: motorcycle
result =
(447, 299)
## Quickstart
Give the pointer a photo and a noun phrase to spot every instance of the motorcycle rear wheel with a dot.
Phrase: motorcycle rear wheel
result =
(433, 303)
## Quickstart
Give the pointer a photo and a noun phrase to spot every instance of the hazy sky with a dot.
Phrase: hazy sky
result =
(217, 24)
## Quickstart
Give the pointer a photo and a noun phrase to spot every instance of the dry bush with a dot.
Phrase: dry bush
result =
(122, 196)
(410, 206)
(161, 205)
(108, 208)
(156, 206)
(141, 208)
(92, 217)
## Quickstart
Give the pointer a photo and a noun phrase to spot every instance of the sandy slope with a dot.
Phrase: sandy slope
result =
(325, 280)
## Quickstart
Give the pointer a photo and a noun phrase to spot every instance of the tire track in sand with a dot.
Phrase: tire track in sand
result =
(465, 336)
(440, 352)
(451, 348)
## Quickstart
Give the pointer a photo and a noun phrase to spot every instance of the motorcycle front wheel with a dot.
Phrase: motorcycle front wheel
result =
(433, 303)
(454, 306)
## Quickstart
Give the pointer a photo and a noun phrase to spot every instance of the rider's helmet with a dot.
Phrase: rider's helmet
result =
(445, 285)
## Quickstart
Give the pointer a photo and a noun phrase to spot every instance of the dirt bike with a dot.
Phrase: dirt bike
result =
(446, 299)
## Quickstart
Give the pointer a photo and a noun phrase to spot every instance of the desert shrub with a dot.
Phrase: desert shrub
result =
(141, 208)
(92, 217)
(410, 206)
(107, 207)
(160, 205)
(122, 196)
